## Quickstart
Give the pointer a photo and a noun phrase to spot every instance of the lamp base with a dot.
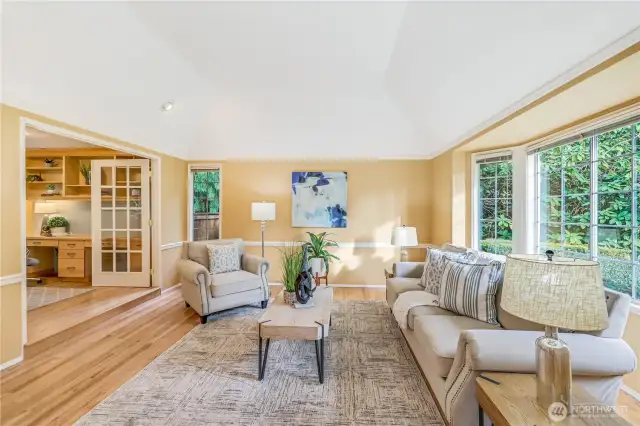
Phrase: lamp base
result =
(404, 255)
(553, 370)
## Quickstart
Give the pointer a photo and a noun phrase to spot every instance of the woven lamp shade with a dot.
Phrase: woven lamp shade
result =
(564, 293)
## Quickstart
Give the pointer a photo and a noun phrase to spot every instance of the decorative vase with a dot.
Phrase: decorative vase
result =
(87, 181)
(48, 165)
(51, 191)
(289, 297)
(56, 232)
(317, 266)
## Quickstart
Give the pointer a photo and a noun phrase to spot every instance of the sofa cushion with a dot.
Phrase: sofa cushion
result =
(395, 286)
(418, 311)
(434, 267)
(439, 334)
(233, 282)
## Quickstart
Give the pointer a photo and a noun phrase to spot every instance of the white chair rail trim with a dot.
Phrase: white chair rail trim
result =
(11, 279)
(341, 244)
(170, 246)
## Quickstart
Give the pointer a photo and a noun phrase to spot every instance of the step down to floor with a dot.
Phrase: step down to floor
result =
(54, 324)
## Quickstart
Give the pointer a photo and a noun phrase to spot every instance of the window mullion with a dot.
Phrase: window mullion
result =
(634, 211)
(562, 200)
(593, 186)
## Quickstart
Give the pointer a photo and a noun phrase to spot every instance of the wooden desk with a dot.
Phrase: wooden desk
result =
(513, 403)
(74, 254)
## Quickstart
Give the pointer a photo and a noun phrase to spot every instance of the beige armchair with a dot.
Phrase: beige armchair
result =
(207, 293)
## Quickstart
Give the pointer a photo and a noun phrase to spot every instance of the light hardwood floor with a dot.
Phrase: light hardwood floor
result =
(60, 384)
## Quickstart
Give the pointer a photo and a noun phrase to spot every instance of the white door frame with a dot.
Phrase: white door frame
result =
(156, 164)
(190, 197)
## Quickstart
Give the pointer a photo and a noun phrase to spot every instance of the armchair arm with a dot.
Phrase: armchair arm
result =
(408, 269)
(195, 280)
(259, 266)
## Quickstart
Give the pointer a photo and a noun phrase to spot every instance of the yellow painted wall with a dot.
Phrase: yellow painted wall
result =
(440, 217)
(381, 195)
(173, 222)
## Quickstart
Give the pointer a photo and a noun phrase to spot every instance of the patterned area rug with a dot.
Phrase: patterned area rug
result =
(210, 377)
(38, 297)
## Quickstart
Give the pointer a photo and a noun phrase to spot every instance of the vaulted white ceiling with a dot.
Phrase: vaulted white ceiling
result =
(298, 80)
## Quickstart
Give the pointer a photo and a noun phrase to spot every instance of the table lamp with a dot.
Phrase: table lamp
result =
(558, 293)
(404, 236)
(263, 212)
(45, 209)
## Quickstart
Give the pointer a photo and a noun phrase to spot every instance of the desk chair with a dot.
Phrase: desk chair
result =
(32, 261)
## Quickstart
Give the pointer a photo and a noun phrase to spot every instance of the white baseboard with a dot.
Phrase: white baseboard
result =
(632, 393)
(348, 285)
(11, 363)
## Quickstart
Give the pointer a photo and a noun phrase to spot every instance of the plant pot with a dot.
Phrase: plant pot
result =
(317, 266)
(289, 297)
(48, 165)
(87, 181)
(56, 232)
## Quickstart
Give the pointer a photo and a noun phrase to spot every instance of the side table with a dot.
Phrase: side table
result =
(513, 402)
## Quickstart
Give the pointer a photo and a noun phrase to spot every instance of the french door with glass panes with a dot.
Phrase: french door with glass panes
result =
(120, 223)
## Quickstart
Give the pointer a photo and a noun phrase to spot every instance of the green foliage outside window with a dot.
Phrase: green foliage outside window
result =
(206, 192)
(566, 197)
(495, 206)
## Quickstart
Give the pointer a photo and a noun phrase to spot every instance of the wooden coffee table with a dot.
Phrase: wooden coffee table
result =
(283, 321)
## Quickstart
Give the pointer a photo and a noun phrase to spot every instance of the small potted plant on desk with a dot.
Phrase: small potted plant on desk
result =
(319, 257)
(291, 264)
(58, 225)
(49, 162)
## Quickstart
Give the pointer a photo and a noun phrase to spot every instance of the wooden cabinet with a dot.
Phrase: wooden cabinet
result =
(70, 268)
(74, 255)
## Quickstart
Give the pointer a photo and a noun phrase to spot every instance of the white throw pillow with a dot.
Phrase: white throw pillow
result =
(434, 266)
(470, 289)
(223, 258)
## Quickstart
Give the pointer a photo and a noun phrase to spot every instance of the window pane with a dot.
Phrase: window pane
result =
(614, 143)
(504, 208)
(504, 187)
(614, 209)
(487, 188)
(550, 235)
(577, 179)
(614, 175)
(206, 204)
(576, 241)
(614, 243)
(576, 153)
(488, 230)
(551, 183)
(617, 275)
(551, 159)
(488, 170)
(577, 209)
(488, 209)
(550, 209)
(505, 168)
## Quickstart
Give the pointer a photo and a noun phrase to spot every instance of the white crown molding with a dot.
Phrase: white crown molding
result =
(11, 362)
(632, 393)
(11, 279)
(340, 244)
(170, 246)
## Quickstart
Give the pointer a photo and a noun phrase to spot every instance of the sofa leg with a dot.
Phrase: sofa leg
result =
(203, 319)
(263, 304)
(187, 304)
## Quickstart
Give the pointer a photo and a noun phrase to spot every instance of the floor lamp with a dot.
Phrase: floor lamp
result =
(263, 212)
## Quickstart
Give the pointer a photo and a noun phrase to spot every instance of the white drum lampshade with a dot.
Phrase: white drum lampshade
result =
(44, 208)
(404, 236)
(263, 211)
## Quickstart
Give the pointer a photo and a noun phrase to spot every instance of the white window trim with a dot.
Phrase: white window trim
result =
(197, 166)
(475, 190)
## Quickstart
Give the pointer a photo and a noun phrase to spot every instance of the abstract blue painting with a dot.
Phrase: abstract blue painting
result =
(319, 199)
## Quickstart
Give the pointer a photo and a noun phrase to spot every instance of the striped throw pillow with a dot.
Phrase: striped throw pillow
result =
(434, 266)
(470, 289)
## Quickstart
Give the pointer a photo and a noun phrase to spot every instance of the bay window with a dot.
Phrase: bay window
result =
(587, 202)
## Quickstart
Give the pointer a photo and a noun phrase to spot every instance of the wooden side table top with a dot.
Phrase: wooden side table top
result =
(513, 403)
(282, 320)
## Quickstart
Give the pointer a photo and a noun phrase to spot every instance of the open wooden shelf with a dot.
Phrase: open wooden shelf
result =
(45, 182)
(44, 169)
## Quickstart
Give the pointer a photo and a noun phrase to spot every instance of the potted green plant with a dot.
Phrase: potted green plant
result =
(319, 257)
(51, 189)
(85, 170)
(34, 178)
(58, 225)
(291, 265)
(49, 162)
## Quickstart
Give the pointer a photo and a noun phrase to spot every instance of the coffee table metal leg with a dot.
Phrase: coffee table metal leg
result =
(264, 360)
(321, 357)
(318, 358)
(259, 357)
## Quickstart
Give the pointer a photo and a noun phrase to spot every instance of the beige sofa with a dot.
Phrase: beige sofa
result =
(207, 293)
(452, 350)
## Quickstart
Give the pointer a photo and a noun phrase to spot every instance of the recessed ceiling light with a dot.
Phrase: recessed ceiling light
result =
(166, 106)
